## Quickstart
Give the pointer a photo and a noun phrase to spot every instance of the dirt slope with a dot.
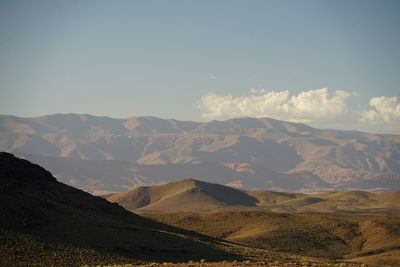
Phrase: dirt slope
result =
(44, 222)
(182, 195)
(348, 237)
(194, 195)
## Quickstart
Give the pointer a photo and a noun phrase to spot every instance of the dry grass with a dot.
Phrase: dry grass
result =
(193, 195)
(246, 263)
(44, 222)
(324, 236)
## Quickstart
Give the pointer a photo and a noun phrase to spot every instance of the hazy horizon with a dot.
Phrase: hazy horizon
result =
(328, 64)
(203, 121)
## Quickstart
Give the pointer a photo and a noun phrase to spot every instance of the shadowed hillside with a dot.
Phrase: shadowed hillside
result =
(47, 223)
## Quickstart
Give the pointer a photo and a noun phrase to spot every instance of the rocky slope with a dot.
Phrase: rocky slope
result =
(319, 160)
(47, 223)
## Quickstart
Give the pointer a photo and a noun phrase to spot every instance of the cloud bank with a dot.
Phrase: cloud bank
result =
(385, 111)
(312, 107)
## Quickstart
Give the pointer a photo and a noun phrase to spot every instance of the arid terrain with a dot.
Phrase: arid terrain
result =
(341, 225)
(241, 192)
(193, 195)
(46, 222)
(103, 155)
(151, 133)
(350, 238)
(245, 263)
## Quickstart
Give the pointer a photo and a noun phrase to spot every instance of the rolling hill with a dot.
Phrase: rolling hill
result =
(372, 239)
(183, 195)
(46, 223)
(260, 153)
(189, 195)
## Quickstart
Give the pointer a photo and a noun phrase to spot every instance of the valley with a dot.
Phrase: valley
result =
(245, 191)
(47, 222)
(199, 133)
(103, 155)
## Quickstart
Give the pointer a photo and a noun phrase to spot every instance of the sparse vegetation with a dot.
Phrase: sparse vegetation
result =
(51, 224)
(324, 236)
(54, 224)
(192, 195)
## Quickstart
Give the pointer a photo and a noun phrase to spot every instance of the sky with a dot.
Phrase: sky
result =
(329, 64)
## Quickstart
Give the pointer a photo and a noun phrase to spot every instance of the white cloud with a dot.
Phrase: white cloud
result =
(212, 77)
(256, 91)
(313, 106)
(385, 111)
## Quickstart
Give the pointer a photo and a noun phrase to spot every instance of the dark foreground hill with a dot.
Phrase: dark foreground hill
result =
(46, 223)
(194, 195)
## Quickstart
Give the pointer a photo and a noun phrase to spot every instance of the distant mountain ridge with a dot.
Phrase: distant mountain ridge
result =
(102, 177)
(319, 160)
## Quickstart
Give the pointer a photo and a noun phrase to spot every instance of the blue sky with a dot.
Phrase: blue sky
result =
(204, 60)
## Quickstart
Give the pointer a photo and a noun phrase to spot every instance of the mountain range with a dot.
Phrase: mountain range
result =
(103, 155)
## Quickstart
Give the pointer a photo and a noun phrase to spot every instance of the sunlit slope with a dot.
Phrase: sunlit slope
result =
(303, 234)
(194, 195)
(182, 195)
